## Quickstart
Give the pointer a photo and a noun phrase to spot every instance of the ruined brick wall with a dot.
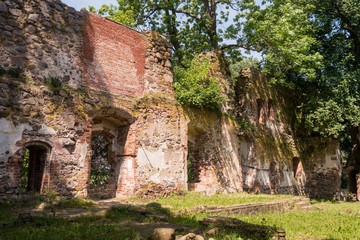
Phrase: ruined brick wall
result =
(213, 159)
(114, 57)
(322, 165)
(273, 159)
(266, 140)
(66, 76)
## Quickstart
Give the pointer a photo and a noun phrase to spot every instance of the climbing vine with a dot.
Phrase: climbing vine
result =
(100, 167)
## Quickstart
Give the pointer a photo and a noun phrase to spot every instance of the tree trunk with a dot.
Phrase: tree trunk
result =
(211, 27)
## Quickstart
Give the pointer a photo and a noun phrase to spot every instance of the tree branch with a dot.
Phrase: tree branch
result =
(188, 14)
(232, 46)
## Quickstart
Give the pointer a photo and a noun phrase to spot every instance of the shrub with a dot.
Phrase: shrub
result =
(196, 86)
(54, 83)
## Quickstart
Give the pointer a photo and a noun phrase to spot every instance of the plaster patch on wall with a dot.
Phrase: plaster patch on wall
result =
(9, 135)
(153, 158)
(83, 153)
(288, 179)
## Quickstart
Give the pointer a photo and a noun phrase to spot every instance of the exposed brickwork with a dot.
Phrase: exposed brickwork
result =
(70, 75)
(114, 57)
(78, 74)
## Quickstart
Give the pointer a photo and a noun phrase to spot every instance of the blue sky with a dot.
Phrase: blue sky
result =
(78, 4)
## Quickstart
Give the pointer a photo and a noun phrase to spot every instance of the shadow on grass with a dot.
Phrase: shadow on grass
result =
(125, 221)
(189, 222)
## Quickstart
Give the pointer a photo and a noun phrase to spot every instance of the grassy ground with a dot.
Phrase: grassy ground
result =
(193, 200)
(326, 220)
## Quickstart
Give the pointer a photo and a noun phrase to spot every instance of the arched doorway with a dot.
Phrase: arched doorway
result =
(33, 167)
(110, 129)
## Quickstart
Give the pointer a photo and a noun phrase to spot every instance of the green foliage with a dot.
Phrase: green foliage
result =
(316, 223)
(326, 119)
(99, 175)
(54, 83)
(74, 203)
(237, 67)
(283, 33)
(24, 171)
(14, 72)
(196, 87)
(100, 167)
(193, 200)
(192, 171)
(125, 16)
(135, 221)
(2, 71)
(245, 126)
(191, 27)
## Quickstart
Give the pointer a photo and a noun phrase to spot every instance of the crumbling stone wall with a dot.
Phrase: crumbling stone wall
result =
(67, 76)
(273, 158)
(322, 165)
(266, 140)
(213, 157)
(43, 39)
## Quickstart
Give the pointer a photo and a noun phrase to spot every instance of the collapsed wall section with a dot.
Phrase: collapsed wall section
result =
(273, 158)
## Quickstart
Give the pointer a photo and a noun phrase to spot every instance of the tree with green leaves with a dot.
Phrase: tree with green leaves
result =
(313, 48)
(337, 109)
(191, 26)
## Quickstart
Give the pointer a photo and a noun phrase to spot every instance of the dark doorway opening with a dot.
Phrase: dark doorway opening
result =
(32, 169)
(296, 165)
(353, 181)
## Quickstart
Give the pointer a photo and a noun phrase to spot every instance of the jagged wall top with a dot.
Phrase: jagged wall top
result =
(49, 39)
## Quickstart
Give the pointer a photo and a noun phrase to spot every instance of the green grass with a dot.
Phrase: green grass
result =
(53, 228)
(192, 200)
(74, 203)
(326, 220)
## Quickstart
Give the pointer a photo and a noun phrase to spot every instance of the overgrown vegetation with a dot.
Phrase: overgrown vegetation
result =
(195, 86)
(25, 171)
(14, 72)
(311, 48)
(54, 83)
(192, 200)
(100, 168)
(326, 220)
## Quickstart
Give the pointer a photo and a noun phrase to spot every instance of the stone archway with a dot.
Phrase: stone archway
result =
(34, 170)
(109, 139)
